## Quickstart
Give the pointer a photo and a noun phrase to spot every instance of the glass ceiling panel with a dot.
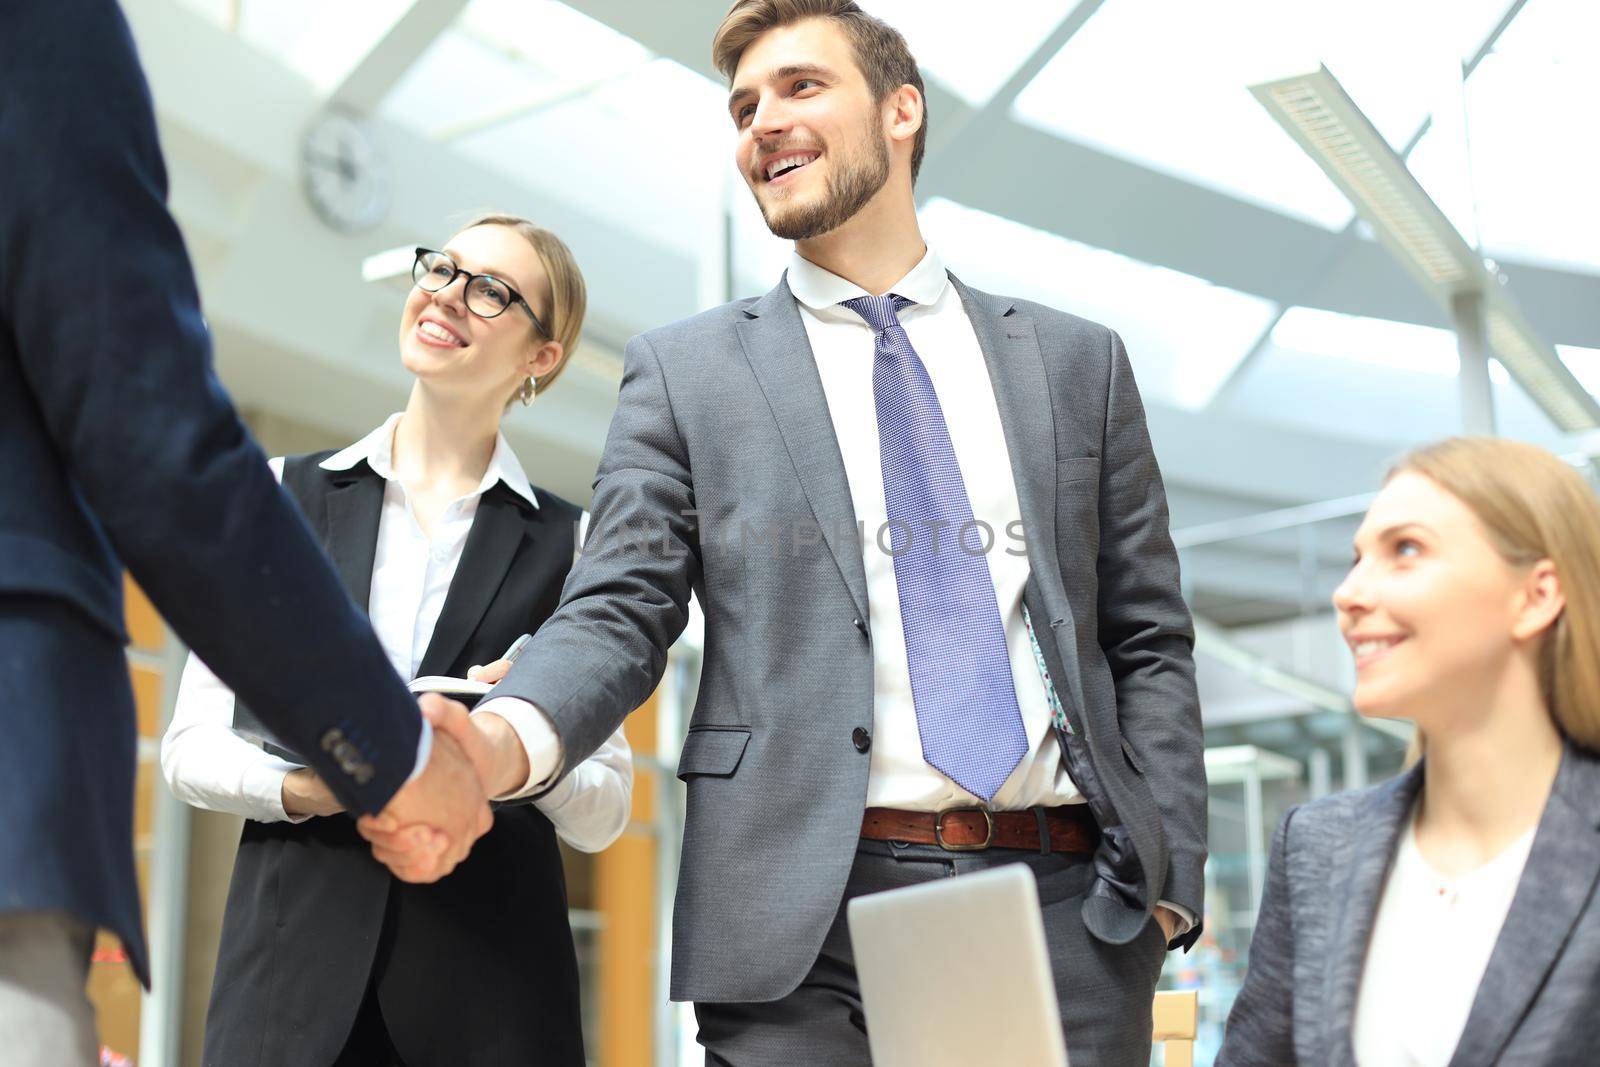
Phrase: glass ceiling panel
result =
(648, 150)
(458, 78)
(972, 56)
(504, 58)
(553, 38)
(1181, 352)
(1377, 342)
(1164, 83)
(322, 42)
(1584, 363)
(1358, 378)
(549, 97)
(1535, 161)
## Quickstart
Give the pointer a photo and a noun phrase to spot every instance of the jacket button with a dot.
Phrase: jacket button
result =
(858, 624)
(861, 739)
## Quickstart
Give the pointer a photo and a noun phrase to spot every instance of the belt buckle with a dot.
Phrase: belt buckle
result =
(938, 830)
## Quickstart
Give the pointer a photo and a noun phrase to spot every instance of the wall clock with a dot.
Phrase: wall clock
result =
(346, 177)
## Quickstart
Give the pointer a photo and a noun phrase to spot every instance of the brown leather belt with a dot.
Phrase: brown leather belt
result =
(1069, 828)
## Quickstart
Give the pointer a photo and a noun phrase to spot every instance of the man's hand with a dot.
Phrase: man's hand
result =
(1169, 922)
(431, 823)
(507, 768)
(305, 793)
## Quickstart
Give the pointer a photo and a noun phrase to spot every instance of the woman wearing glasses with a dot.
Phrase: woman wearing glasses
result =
(326, 958)
(1450, 915)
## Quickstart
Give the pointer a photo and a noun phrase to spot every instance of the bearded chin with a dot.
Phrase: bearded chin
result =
(854, 187)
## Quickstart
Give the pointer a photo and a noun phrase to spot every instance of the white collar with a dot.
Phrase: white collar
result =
(377, 448)
(820, 289)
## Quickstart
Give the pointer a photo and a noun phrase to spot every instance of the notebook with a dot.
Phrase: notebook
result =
(246, 723)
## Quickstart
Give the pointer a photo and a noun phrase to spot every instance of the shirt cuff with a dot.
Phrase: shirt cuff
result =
(539, 741)
(424, 751)
(1186, 918)
(263, 789)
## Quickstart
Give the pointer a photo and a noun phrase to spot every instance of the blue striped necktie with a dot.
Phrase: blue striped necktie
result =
(961, 680)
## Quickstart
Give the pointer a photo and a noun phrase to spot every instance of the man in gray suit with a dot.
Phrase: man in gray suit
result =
(907, 507)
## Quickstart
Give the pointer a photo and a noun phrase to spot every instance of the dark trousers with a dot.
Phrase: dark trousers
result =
(1105, 991)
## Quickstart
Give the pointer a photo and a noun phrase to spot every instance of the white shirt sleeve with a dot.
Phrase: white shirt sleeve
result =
(208, 765)
(591, 806)
(1185, 917)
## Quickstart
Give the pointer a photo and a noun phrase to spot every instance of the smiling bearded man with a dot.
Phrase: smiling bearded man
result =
(861, 170)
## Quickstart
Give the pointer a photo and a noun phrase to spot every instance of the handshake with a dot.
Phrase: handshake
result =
(430, 825)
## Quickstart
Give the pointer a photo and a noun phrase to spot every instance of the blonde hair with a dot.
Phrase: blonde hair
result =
(565, 296)
(880, 51)
(1535, 507)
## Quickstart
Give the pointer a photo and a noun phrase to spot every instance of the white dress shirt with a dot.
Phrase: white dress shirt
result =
(210, 765)
(842, 345)
(1430, 944)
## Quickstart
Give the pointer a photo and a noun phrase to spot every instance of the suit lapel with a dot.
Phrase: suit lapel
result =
(1364, 856)
(1010, 347)
(776, 346)
(355, 504)
(1556, 883)
(497, 531)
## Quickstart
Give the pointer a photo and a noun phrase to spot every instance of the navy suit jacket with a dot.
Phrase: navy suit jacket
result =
(118, 448)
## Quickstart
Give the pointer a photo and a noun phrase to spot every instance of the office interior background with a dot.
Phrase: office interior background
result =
(1326, 230)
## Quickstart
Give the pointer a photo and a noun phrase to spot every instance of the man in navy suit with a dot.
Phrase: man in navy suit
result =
(119, 448)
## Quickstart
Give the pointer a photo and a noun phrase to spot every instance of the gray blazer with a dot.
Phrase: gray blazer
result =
(1539, 1001)
(721, 441)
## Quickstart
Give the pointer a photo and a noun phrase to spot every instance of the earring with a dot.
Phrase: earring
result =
(530, 392)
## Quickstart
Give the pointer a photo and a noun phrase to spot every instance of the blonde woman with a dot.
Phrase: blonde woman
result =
(327, 958)
(1448, 916)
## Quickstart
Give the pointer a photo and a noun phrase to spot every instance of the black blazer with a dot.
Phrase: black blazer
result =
(477, 968)
(119, 448)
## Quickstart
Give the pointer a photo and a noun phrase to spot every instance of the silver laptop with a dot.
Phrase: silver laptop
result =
(955, 973)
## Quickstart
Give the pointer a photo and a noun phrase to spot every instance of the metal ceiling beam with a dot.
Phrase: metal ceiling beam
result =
(955, 136)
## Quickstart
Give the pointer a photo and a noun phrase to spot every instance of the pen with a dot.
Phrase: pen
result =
(510, 655)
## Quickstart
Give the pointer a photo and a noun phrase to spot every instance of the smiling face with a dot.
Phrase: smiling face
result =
(452, 350)
(812, 143)
(1434, 615)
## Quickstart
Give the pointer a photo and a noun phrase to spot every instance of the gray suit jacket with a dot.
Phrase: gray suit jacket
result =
(721, 437)
(1539, 1001)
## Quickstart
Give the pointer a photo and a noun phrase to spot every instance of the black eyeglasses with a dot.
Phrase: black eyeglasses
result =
(486, 295)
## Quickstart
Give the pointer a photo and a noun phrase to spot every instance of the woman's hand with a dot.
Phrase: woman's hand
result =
(304, 793)
(491, 673)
